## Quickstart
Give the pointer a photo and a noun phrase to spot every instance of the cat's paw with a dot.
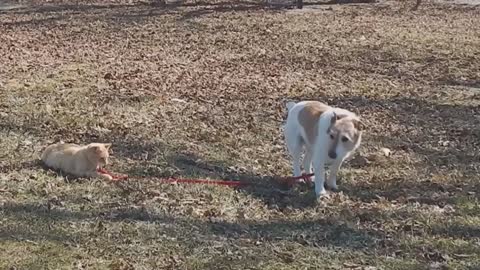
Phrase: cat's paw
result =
(106, 176)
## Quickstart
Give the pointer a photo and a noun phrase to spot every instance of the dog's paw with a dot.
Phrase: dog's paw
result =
(301, 181)
(321, 193)
(323, 198)
(333, 188)
(331, 184)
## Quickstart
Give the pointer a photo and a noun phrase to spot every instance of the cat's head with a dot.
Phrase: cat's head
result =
(98, 153)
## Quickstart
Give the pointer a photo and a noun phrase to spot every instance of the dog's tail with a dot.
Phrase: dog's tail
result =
(290, 105)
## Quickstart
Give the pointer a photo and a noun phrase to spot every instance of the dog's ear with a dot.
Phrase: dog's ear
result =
(333, 119)
(358, 124)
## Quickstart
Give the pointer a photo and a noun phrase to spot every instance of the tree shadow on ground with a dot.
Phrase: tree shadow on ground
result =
(51, 14)
(32, 224)
(245, 6)
(139, 10)
(458, 231)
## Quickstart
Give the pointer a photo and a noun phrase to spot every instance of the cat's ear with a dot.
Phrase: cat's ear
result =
(107, 145)
(96, 148)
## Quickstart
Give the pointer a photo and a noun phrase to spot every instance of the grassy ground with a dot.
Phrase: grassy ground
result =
(112, 71)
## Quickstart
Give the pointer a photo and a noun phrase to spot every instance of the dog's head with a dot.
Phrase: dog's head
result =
(345, 134)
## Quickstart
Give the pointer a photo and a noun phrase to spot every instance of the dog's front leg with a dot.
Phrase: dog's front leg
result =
(319, 169)
(332, 177)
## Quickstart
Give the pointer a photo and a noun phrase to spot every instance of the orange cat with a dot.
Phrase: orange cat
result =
(78, 160)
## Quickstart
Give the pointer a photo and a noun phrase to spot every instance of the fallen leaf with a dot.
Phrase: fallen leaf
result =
(387, 152)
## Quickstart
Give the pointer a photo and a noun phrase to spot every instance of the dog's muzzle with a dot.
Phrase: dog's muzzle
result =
(332, 154)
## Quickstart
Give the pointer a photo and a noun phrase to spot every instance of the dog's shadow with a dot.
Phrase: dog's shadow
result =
(144, 160)
(273, 190)
(156, 160)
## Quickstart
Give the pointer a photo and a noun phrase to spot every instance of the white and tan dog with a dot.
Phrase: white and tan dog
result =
(329, 136)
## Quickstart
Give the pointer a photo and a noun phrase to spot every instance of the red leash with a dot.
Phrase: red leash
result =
(114, 177)
(305, 177)
(288, 180)
(207, 182)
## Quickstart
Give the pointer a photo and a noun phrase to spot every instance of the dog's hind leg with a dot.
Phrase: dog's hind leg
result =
(294, 146)
(307, 162)
(296, 153)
